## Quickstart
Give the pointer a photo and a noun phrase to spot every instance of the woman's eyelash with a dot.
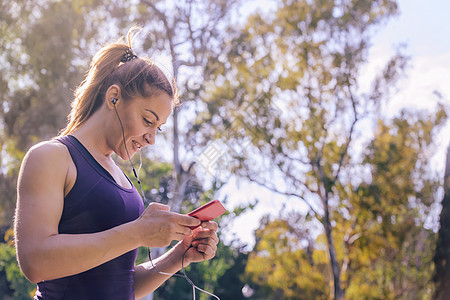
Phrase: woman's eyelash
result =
(151, 123)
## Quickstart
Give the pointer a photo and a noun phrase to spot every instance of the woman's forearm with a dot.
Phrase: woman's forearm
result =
(147, 279)
(63, 255)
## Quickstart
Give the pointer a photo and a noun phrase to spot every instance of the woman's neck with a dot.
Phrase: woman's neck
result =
(93, 136)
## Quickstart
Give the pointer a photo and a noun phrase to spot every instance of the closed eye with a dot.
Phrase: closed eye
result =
(148, 122)
(151, 123)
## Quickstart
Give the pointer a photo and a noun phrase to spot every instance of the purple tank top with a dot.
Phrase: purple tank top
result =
(95, 203)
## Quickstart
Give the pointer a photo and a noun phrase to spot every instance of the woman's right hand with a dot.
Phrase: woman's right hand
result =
(158, 226)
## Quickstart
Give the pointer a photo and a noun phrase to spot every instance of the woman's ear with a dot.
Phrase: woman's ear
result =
(112, 96)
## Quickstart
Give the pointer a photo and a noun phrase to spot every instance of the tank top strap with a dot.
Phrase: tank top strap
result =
(81, 156)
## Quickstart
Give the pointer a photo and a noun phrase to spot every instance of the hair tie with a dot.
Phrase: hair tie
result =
(129, 55)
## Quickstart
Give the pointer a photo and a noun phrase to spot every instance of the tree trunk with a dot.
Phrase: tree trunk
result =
(338, 292)
(442, 254)
(179, 174)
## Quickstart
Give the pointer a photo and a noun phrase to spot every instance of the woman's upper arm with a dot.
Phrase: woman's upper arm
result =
(40, 195)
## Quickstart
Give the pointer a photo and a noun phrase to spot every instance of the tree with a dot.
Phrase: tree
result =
(387, 246)
(44, 57)
(289, 84)
(302, 64)
(189, 32)
(442, 254)
(56, 51)
(207, 275)
(13, 285)
(286, 262)
(45, 47)
(382, 243)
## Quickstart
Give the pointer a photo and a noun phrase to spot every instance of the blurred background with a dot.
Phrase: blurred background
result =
(322, 126)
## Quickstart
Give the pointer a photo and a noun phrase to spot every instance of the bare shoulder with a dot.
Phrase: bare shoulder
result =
(40, 192)
(51, 150)
(48, 157)
(53, 146)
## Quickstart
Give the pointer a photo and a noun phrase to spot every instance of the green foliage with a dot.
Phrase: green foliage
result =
(217, 276)
(231, 283)
(45, 47)
(45, 55)
(16, 285)
(286, 263)
(442, 254)
(43, 58)
(155, 178)
(13, 285)
(289, 83)
(392, 209)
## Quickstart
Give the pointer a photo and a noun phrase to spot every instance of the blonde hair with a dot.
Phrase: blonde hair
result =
(136, 77)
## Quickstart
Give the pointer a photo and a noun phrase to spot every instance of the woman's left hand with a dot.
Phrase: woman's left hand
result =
(202, 244)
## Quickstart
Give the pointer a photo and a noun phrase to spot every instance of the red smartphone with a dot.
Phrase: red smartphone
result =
(207, 212)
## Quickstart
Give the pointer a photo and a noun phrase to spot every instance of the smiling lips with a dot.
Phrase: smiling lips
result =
(137, 145)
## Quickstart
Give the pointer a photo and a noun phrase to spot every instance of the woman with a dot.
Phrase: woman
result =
(79, 220)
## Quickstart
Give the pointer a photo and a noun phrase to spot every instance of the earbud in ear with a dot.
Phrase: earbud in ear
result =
(114, 100)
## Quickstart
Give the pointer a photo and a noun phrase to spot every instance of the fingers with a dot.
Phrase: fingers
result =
(172, 230)
(206, 251)
(183, 230)
(204, 234)
(210, 225)
(158, 206)
(185, 220)
(204, 248)
(201, 245)
(158, 210)
(159, 226)
(206, 239)
(204, 245)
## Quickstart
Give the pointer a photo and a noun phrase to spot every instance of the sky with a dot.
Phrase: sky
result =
(424, 27)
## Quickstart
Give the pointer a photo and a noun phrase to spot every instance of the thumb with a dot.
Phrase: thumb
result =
(158, 206)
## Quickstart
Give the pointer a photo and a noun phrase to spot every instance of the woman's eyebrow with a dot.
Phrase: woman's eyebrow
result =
(157, 118)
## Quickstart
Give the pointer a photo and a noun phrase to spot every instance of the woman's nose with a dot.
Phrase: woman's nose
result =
(150, 138)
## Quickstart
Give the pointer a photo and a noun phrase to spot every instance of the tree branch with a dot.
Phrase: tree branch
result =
(350, 136)
(285, 193)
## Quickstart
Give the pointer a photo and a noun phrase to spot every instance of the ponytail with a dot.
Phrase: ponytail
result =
(116, 64)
